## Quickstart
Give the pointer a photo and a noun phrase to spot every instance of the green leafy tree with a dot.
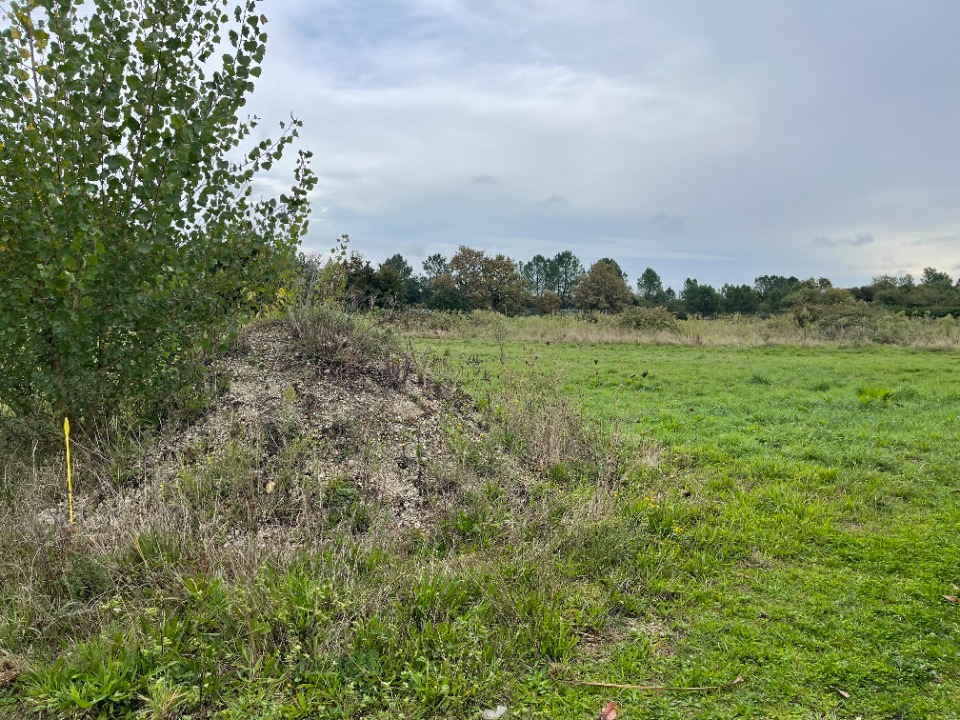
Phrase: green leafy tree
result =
(616, 266)
(697, 298)
(466, 268)
(412, 285)
(540, 274)
(507, 288)
(126, 230)
(443, 294)
(568, 270)
(488, 283)
(603, 289)
(935, 278)
(391, 291)
(650, 287)
(400, 264)
(547, 303)
(361, 288)
(741, 299)
(367, 287)
(435, 266)
(773, 290)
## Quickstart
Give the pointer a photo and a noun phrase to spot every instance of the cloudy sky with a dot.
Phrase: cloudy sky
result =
(712, 140)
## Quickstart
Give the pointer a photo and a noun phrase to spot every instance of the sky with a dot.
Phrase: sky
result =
(719, 141)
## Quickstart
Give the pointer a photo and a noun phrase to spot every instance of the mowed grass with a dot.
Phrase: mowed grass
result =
(789, 515)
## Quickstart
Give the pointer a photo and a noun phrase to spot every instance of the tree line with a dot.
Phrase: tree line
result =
(473, 280)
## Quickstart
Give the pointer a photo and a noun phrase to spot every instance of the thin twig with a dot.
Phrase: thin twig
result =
(655, 688)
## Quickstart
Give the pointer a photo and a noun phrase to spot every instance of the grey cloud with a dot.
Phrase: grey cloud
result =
(555, 202)
(856, 241)
(667, 223)
(483, 179)
(937, 239)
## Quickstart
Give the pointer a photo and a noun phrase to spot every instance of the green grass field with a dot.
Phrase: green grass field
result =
(611, 513)
(791, 517)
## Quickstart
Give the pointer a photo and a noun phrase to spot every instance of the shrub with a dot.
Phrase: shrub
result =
(127, 237)
(649, 318)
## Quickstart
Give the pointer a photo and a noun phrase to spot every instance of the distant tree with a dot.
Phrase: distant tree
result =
(361, 289)
(935, 278)
(773, 290)
(442, 293)
(547, 303)
(888, 290)
(366, 287)
(741, 299)
(488, 283)
(540, 274)
(400, 264)
(569, 270)
(507, 289)
(811, 293)
(697, 298)
(412, 285)
(616, 265)
(389, 285)
(935, 294)
(650, 287)
(466, 268)
(603, 289)
(885, 281)
(434, 266)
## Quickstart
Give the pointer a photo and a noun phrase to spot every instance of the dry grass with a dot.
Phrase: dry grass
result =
(877, 327)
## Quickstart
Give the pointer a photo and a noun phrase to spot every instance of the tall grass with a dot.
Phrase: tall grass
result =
(874, 327)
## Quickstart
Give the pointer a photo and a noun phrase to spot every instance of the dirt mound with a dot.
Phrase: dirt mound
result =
(293, 445)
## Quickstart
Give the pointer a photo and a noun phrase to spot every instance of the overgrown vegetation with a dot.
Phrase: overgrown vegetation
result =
(294, 554)
(665, 515)
(855, 326)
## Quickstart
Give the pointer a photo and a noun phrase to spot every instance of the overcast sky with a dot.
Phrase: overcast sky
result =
(712, 140)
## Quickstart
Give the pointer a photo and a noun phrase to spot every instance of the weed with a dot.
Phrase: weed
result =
(868, 395)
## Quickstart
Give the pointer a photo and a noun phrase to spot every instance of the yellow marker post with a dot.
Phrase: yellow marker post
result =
(66, 436)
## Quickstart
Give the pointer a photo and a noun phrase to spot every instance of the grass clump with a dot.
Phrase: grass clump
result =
(869, 395)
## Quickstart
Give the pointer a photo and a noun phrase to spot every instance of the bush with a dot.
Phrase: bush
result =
(128, 239)
(649, 318)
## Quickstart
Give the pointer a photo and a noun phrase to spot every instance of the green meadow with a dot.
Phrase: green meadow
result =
(788, 515)
(764, 532)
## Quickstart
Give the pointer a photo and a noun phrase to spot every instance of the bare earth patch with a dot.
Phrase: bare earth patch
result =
(9, 673)
(287, 438)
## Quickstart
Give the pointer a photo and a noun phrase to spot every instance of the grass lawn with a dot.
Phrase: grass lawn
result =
(792, 517)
